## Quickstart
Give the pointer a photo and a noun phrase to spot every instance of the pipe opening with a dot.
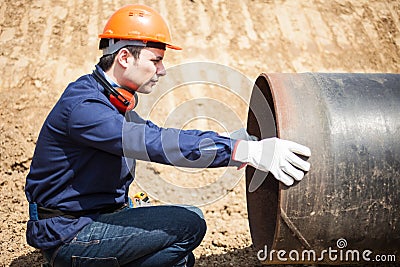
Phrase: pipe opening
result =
(262, 205)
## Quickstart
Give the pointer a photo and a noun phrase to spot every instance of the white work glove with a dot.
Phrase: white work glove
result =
(274, 155)
(240, 134)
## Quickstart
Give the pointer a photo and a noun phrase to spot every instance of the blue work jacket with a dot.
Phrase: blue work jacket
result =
(79, 163)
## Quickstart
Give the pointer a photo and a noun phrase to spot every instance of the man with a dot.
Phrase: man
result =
(79, 178)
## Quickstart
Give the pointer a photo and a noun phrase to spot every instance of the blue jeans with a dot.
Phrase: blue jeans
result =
(146, 236)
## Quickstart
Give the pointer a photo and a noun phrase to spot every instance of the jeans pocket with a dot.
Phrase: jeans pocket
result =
(94, 262)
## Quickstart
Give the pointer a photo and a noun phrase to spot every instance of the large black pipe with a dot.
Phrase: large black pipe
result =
(351, 122)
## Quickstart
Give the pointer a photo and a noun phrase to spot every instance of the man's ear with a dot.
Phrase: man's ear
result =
(122, 57)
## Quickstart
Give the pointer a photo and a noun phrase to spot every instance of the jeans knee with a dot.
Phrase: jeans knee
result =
(195, 210)
(202, 227)
(198, 223)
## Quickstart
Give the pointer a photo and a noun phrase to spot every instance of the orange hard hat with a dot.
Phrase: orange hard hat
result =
(138, 22)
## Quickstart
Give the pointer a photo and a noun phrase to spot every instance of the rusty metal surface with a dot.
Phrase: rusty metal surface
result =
(351, 122)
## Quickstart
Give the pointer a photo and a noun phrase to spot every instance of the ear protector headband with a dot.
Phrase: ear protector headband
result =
(121, 98)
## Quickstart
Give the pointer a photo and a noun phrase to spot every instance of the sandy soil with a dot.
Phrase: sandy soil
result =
(46, 44)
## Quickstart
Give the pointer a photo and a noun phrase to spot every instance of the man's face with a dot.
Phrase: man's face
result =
(143, 73)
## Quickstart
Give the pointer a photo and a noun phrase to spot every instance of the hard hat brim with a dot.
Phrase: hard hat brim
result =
(171, 46)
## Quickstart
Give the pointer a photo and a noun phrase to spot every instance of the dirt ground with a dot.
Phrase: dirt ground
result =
(46, 44)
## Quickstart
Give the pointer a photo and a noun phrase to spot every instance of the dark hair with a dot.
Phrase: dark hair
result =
(105, 62)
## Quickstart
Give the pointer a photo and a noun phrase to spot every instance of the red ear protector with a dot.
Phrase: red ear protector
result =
(121, 98)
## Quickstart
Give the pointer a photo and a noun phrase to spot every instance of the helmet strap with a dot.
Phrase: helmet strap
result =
(158, 45)
(115, 46)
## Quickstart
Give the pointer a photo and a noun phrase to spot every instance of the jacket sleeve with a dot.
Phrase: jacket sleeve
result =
(184, 148)
(95, 124)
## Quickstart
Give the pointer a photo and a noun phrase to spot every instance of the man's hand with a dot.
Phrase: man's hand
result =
(274, 155)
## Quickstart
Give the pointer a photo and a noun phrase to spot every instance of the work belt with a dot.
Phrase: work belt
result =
(37, 212)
